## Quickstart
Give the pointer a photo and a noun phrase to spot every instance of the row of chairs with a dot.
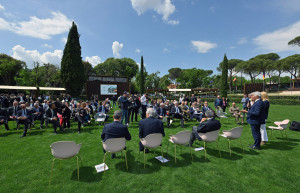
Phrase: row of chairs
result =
(69, 149)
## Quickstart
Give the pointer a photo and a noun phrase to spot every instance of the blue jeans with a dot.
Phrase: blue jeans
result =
(114, 104)
(124, 114)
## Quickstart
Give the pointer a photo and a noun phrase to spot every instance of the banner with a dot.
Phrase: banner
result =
(108, 89)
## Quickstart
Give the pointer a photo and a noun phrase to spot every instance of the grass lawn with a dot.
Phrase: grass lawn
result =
(26, 162)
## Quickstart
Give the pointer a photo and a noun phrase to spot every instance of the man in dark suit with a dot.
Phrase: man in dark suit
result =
(124, 107)
(4, 118)
(150, 125)
(176, 112)
(66, 115)
(205, 107)
(115, 129)
(38, 114)
(52, 117)
(193, 99)
(161, 111)
(256, 117)
(206, 125)
(137, 105)
(195, 112)
(218, 102)
(24, 117)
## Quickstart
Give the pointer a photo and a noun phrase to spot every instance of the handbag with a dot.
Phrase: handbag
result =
(295, 126)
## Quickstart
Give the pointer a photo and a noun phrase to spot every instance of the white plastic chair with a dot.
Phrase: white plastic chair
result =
(181, 138)
(151, 141)
(209, 137)
(232, 134)
(114, 145)
(99, 117)
(281, 126)
(64, 150)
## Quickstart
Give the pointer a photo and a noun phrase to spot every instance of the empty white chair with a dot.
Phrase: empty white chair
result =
(99, 117)
(281, 126)
(64, 150)
(209, 137)
(232, 134)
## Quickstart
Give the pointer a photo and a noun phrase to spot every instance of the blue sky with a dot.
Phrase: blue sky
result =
(177, 33)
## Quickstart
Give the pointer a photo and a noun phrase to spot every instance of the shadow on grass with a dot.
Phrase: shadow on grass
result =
(224, 154)
(86, 174)
(35, 132)
(280, 145)
(247, 151)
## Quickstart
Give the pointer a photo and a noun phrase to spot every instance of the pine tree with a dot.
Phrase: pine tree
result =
(72, 69)
(142, 77)
(224, 79)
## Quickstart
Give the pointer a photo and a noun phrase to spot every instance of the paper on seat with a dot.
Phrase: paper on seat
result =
(100, 167)
(161, 159)
(199, 148)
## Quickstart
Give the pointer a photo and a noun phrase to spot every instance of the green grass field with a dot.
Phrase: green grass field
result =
(25, 163)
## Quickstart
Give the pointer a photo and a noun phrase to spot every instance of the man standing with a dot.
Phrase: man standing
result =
(115, 130)
(144, 105)
(256, 117)
(206, 125)
(193, 99)
(4, 118)
(114, 99)
(245, 101)
(218, 102)
(235, 112)
(149, 126)
(137, 105)
(124, 107)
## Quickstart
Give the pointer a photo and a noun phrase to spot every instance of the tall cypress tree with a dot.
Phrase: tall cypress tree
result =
(142, 81)
(224, 79)
(72, 69)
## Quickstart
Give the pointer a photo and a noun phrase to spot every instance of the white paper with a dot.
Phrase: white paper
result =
(161, 159)
(223, 135)
(100, 167)
(199, 148)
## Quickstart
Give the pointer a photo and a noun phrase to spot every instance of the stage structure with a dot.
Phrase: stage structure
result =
(106, 86)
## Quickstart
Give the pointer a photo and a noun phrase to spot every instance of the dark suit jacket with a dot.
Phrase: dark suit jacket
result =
(3, 115)
(256, 115)
(67, 112)
(100, 109)
(41, 110)
(204, 109)
(267, 105)
(192, 110)
(161, 111)
(11, 110)
(210, 125)
(115, 130)
(218, 102)
(28, 113)
(149, 126)
(49, 114)
(173, 110)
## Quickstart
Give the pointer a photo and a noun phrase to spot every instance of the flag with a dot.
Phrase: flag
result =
(234, 79)
(264, 77)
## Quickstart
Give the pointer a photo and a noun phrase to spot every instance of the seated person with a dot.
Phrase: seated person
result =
(4, 118)
(150, 125)
(195, 112)
(38, 114)
(176, 112)
(103, 110)
(13, 111)
(52, 117)
(24, 117)
(206, 125)
(161, 111)
(235, 112)
(205, 108)
(115, 130)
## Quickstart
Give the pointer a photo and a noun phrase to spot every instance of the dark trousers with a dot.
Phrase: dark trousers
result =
(198, 117)
(55, 124)
(26, 123)
(66, 121)
(124, 116)
(176, 116)
(256, 134)
(5, 124)
(144, 109)
(224, 108)
(194, 135)
(134, 114)
(39, 117)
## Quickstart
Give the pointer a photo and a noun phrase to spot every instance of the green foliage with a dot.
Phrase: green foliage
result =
(291, 64)
(224, 78)
(9, 68)
(117, 67)
(193, 78)
(164, 82)
(142, 77)
(174, 73)
(71, 64)
(152, 80)
(295, 41)
(88, 68)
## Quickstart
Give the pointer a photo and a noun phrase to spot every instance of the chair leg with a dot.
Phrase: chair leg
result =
(271, 133)
(51, 171)
(80, 159)
(205, 150)
(281, 134)
(162, 154)
(168, 147)
(218, 147)
(175, 153)
(191, 152)
(229, 147)
(77, 168)
(126, 160)
(286, 135)
(242, 145)
(104, 161)
(144, 158)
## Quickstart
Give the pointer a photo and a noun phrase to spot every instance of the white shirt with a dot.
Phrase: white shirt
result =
(143, 100)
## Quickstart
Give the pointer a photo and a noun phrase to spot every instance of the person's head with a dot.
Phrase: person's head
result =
(209, 113)
(223, 98)
(36, 105)
(264, 96)
(176, 103)
(255, 95)
(53, 106)
(146, 94)
(16, 103)
(233, 104)
(117, 115)
(150, 112)
(23, 106)
(249, 95)
(160, 100)
(103, 103)
(194, 104)
(31, 101)
(205, 103)
(193, 95)
(125, 94)
(185, 102)
(218, 96)
(162, 105)
(167, 102)
(83, 105)
(245, 95)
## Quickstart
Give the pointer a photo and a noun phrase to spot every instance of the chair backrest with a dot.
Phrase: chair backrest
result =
(181, 137)
(65, 149)
(234, 133)
(152, 140)
(210, 136)
(114, 144)
(283, 123)
(99, 117)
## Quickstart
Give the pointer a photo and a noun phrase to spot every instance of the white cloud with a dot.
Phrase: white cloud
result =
(137, 50)
(117, 48)
(39, 28)
(162, 7)
(277, 41)
(242, 40)
(64, 40)
(1, 7)
(47, 46)
(166, 50)
(203, 47)
(94, 60)
(232, 47)
(30, 56)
